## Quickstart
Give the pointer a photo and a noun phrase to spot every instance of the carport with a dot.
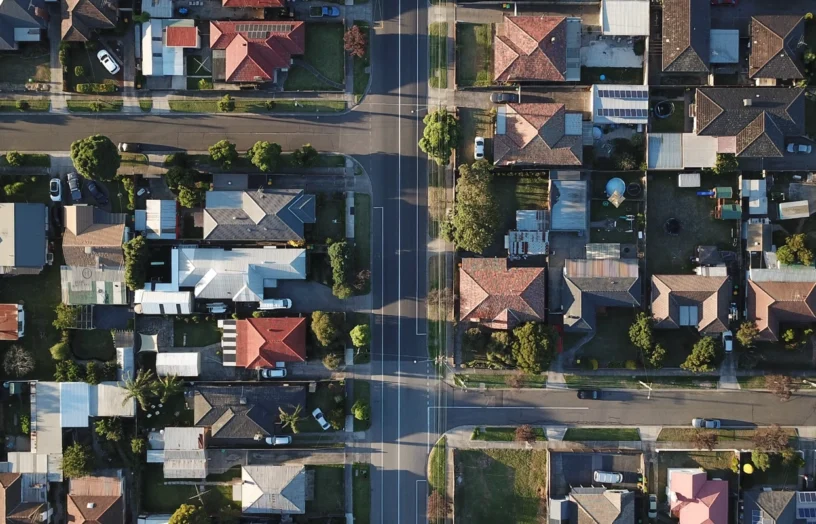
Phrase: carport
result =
(569, 470)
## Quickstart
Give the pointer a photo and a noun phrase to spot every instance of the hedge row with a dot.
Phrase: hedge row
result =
(95, 88)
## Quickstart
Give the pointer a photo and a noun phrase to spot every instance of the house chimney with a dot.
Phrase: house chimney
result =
(747, 102)
(243, 401)
(91, 505)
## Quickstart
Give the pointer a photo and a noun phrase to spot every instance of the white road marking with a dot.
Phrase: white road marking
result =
(382, 349)
(556, 408)
(399, 260)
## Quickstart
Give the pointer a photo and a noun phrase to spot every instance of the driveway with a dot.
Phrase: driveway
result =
(569, 470)
(308, 296)
(491, 13)
(575, 99)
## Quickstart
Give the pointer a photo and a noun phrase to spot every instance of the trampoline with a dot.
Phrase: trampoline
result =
(664, 109)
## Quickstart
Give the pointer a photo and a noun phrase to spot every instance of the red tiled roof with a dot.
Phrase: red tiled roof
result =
(182, 36)
(531, 48)
(8, 322)
(263, 341)
(252, 3)
(535, 134)
(498, 296)
(770, 303)
(257, 54)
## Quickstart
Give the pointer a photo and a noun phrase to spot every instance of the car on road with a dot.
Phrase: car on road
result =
(804, 149)
(652, 506)
(74, 187)
(504, 98)
(272, 373)
(107, 61)
(728, 341)
(723, 2)
(318, 416)
(283, 440)
(55, 190)
(326, 11)
(478, 148)
(590, 394)
(98, 195)
(607, 477)
(705, 423)
(129, 147)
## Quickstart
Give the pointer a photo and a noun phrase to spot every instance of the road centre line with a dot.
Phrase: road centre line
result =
(399, 259)
(382, 348)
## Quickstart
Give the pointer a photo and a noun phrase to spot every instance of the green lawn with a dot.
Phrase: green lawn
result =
(193, 106)
(309, 106)
(438, 51)
(326, 398)
(474, 54)
(492, 381)
(173, 413)
(437, 466)
(673, 124)
(329, 497)
(115, 188)
(198, 334)
(596, 434)
(158, 497)
(362, 233)
(107, 105)
(686, 434)
(361, 486)
(614, 75)
(778, 476)
(611, 345)
(93, 344)
(324, 52)
(31, 62)
(33, 104)
(362, 392)
(513, 193)
(583, 381)
(503, 434)
(331, 218)
(361, 63)
(757, 382)
(716, 463)
(501, 486)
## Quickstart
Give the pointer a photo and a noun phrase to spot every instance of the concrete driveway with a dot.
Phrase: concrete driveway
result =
(575, 469)
(739, 16)
(308, 296)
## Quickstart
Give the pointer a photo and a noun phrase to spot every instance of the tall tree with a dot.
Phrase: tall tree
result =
(354, 41)
(95, 157)
(223, 153)
(76, 461)
(361, 336)
(135, 251)
(760, 459)
(726, 164)
(66, 316)
(189, 514)
(142, 388)
(702, 355)
(168, 387)
(533, 346)
(640, 332)
(747, 334)
(440, 136)
(109, 428)
(325, 327)
(265, 155)
(291, 420)
(476, 214)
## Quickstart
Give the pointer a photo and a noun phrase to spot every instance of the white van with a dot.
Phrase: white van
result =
(607, 477)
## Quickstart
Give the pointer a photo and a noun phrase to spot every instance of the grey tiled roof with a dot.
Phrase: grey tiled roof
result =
(686, 36)
(603, 506)
(775, 506)
(594, 284)
(18, 14)
(272, 215)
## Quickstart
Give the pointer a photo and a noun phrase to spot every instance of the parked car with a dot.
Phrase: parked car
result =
(728, 341)
(98, 195)
(478, 148)
(318, 416)
(590, 394)
(275, 303)
(804, 149)
(20, 321)
(272, 373)
(107, 61)
(55, 189)
(652, 506)
(607, 477)
(129, 147)
(504, 98)
(74, 187)
(705, 423)
(327, 11)
(283, 440)
(723, 2)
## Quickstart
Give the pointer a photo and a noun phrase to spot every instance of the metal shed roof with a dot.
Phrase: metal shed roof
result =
(665, 151)
(159, 220)
(688, 180)
(74, 404)
(625, 17)
(724, 46)
(178, 364)
(110, 400)
(569, 205)
(798, 209)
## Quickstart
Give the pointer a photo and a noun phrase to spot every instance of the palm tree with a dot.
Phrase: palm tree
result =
(168, 386)
(291, 419)
(142, 388)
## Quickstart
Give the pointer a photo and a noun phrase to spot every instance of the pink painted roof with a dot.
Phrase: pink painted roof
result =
(699, 500)
(249, 56)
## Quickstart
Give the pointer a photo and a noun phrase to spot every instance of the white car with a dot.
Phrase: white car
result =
(652, 506)
(478, 148)
(318, 416)
(728, 341)
(283, 440)
(20, 321)
(705, 423)
(799, 148)
(275, 303)
(55, 189)
(107, 61)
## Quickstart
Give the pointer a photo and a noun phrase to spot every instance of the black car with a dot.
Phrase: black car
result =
(590, 394)
(100, 197)
(504, 98)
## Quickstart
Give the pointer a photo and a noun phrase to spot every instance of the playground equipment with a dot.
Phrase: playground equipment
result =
(663, 109)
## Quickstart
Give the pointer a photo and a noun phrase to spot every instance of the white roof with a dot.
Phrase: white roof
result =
(158, 220)
(184, 438)
(163, 302)
(711, 271)
(699, 151)
(75, 404)
(157, 58)
(625, 17)
(620, 104)
(109, 400)
(724, 47)
(49, 430)
(665, 151)
(798, 209)
(688, 180)
(179, 364)
(154, 519)
(784, 274)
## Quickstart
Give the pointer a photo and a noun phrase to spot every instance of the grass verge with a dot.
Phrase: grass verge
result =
(503, 434)
(437, 466)
(686, 434)
(361, 487)
(94, 106)
(597, 434)
(362, 393)
(633, 382)
(329, 498)
(361, 77)
(438, 51)
(31, 105)
(497, 381)
(362, 234)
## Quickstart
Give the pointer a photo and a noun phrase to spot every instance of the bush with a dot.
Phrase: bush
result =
(341, 259)
(22, 105)
(325, 327)
(630, 364)
(190, 198)
(205, 84)
(361, 410)
(18, 361)
(533, 347)
(61, 351)
(305, 156)
(14, 158)
(142, 17)
(808, 16)
(135, 263)
(593, 364)
(226, 104)
(701, 357)
(331, 360)
(79, 71)
(76, 461)
(179, 159)
(93, 373)
(14, 189)
(95, 88)
(25, 424)
(63, 55)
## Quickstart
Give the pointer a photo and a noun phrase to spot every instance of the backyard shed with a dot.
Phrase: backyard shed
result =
(178, 364)
(791, 210)
(665, 151)
(729, 212)
(688, 180)
(755, 190)
(163, 302)
(568, 204)
(723, 192)
(625, 17)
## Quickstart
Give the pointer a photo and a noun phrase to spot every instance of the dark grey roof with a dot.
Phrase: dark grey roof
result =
(686, 36)
(222, 409)
(272, 215)
(761, 127)
(22, 235)
(603, 506)
(18, 14)
(583, 295)
(777, 46)
(775, 507)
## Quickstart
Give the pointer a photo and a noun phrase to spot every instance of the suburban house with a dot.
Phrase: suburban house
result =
(12, 321)
(81, 19)
(16, 502)
(254, 50)
(82, 286)
(163, 45)
(274, 490)
(497, 296)
(536, 49)
(276, 215)
(21, 21)
(601, 280)
(778, 507)
(594, 506)
(620, 104)
(777, 48)
(159, 219)
(93, 237)
(181, 451)
(96, 500)
(750, 121)
(23, 240)
(686, 36)
(691, 300)
(696, 500)
(261, 342)
(237, 415)
(540, 134)
(775, 296)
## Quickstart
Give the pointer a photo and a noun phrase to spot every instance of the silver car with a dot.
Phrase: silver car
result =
(705, 423)
(607, 477)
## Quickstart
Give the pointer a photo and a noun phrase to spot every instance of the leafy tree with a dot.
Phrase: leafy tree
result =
(325, 327)
(305, 156)
(66, 316)
(14, 158)
(499, 342)
(354, 41)
(190, 198)
(361, 410)
(135, 251)
(223, 153)
(68, 371)
(795, 250)
(791, 457)
(142, 388)
(760, 459)
(341, 259)
(109, 428)
(76, 461)
(788, 336)
(475, 216)
(168, 387)
(438, 506)
(342, 290)
(726, 164)
(92, 373)
(702, 354)
(656, 356)
(475, 340)
(61, 350)
(292, 419)
(735, 464)
(704, 440)
(525, 433)
(226, 104)
(95, 157)
(138, 446)
(179, 176)
(18, 361)
(773, 438)
(785, 255)
(361, 336)
(332, 360)
(265, 156)
(748, 333)
(189, 514)
(440, 136)
(640, 332)
(533, 346)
